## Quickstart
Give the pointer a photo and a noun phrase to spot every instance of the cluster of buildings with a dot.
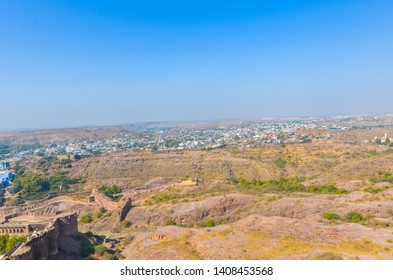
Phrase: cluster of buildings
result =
(241, 134)
(244, 134)
(385, 140)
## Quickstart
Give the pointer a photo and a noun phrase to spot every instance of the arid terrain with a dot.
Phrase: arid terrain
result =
(318, 200)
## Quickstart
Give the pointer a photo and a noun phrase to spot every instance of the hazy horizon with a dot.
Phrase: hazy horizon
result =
(67, 64)
(196, 121)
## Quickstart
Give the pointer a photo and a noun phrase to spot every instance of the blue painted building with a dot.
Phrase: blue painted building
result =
(4, 165)
(6, 178)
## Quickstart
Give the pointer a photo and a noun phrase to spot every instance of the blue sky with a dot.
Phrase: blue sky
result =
(72, 63)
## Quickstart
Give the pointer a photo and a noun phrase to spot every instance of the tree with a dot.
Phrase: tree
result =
(111, 192)
(100, 250)
(8, 242)
(354, 217)
(14, 201)
(86, 219)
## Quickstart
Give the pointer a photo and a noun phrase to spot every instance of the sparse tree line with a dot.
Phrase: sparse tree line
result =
(284, 185)
(352, 217)
(34, 186)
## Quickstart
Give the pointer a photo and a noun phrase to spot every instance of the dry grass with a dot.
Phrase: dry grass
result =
(319, 162)
(182, 245)
(364, 246)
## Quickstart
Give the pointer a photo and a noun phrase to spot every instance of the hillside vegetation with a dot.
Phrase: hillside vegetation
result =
(321, 164)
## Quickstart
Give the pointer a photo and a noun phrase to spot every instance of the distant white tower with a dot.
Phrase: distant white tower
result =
(385, 137)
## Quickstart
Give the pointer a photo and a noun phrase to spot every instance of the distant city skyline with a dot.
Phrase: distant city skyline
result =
(166, 123)
(79, 63)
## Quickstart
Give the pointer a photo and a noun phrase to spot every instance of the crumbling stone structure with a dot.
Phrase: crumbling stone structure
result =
(125, 207)
(15, 229)
(122, 207)
(44, 245)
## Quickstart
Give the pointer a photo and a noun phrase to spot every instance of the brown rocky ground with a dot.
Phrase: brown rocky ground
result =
(175, 218)
(322, 163)
(270, 226)
(259, 237)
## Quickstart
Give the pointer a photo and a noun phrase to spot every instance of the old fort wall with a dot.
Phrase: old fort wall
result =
(42, 246)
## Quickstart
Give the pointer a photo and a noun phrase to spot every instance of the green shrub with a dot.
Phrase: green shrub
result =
(209, 223)
(86, 246)
(170, 223)
(14, 201)
(86, 219)
(8, 242)
(111, 192)
(381, 176)
(100, 250)
(373, 179)
(126, 223)
(109, 256)
(286, 185)
(375, 190)
(166, 198)
(99, 215)
(354, 217)
(331, 216)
